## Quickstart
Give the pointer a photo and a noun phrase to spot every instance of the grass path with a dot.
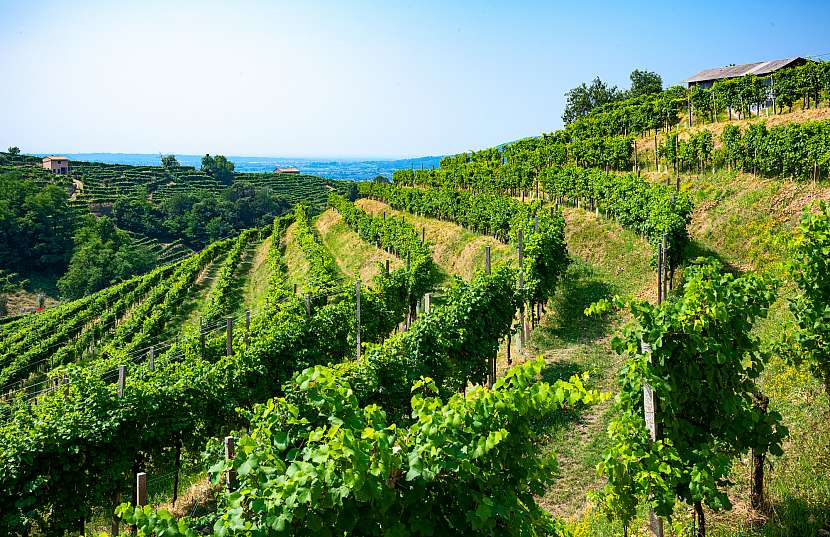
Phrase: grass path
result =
(354, 256)
(607, 260)
(455, 249)
(297, 266)
(187, 315)
(255, 280)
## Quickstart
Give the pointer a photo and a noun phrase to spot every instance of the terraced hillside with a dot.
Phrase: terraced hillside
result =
(169, 213)
(285, 321)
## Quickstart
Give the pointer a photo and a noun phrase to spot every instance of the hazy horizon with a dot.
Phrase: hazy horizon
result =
(365, 81)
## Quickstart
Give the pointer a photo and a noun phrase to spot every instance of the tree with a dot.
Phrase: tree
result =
(169, 161)
(581, 100)
(36, 225)
(644, 83)
(218, 167)
(14, 151)
(103, 256)
(208, 163)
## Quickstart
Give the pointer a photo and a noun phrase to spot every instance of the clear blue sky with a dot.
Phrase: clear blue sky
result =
(362, 79)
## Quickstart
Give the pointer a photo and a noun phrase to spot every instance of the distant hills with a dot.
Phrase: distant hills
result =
(347, 169)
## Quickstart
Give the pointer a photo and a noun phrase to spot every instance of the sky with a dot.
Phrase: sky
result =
(351, 79)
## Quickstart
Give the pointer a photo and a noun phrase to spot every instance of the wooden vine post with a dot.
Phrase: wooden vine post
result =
(229, 338)
(666, 263)
(122, 373)
(756, 495)
(141, 489)
(521, 289)
(491, 374)
(230, 453)
(649, 413)
(649, 399)
(357, 318)
(247, 328)
(660, 273)
(152, 358)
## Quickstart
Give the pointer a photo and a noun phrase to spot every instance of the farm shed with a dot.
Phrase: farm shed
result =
(707, 77)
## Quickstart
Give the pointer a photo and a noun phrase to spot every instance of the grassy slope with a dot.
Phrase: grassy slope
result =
(255, 281)
(295, 260)
(607, 260)
(455, 249)
(748, 222)
(745, 221)
(353, 255)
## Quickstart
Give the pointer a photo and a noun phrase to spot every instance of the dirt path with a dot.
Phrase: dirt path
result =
(79, 188)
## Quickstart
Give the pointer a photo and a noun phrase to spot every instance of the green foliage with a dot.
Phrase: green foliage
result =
(810, 269)
(703, 366)
(317, 461)
(218, 167)
(634, 115)
(169, 161)
(581, 100)
(323, 271)
(103, 255)
(545, 254)
(87, 443)
(798, 150)
(221, 302)
(692, 154)
(402, 238)
(8, 282)
(200, 216)
(649, 209)
(36, 225)
(644, 83)
(13, 151)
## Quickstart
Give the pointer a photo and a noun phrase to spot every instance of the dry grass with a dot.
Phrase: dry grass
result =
(22, 299)
(745, 219)
(353, 255)
(297, 265)
(455, 249)
(198, 498)
(258, 277)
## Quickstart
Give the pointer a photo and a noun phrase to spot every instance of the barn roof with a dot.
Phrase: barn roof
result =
(734, 71)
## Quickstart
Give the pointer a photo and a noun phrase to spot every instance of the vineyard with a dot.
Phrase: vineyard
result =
(562, 336)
